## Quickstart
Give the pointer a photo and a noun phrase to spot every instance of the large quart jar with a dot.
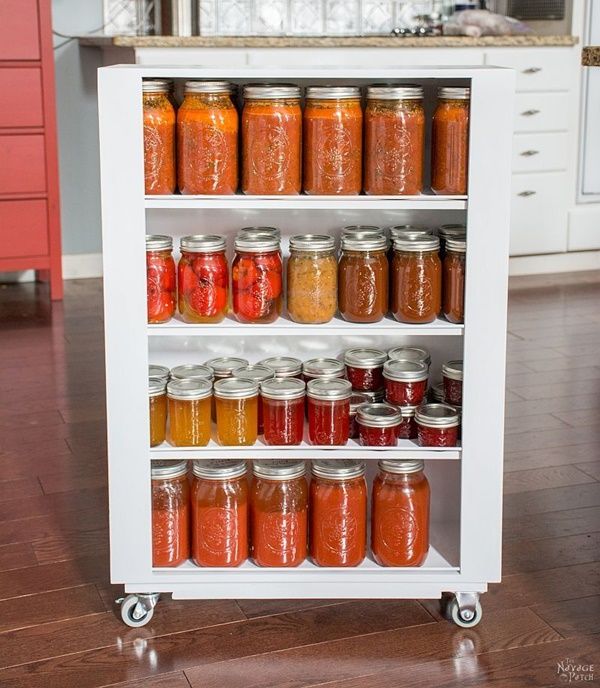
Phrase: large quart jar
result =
(160, 278)
(338, 512)
(329, 411)
(259, 374)
(450, 142)
(312, 278)
(170, 513)
(159, 138)
(219, 512)
(453, 281)
(400, 514)
(283, 411)
(157, 399)
(236, 403)
(332, 140)
(189, 412)
(416, 280)
(394, 140)
(279, 513)
(207, 139)
(271, 140)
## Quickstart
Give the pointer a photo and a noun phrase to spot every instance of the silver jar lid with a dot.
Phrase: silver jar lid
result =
(156, 85)
(407, 411)
(437, 392)
(283, 366)
(323, 368)
(378, 415)
(204, 86)
(161, 470)
(256, 243)
(457, 245)
(400, 370)
(437, 416)
(452, 231)
(258, 373)
(283, 388)
(409, 232)
(312, 242)
(353, 230)
(358, 399)
(271, 91)
(419, 243)
(332, 92)
(329, 390)
(453, 370)
(376, 396)
(234, 388)
(159, 371)
(273, 231)
(192, 371)
(159, 242)
(394, 92)
(364, 358)
(278, 469)
(156, 386)
(338, 469)
(454, 93)
(410, 353)
(364, 242)
(225, 365)
(219, 469)
(401, 465)
(203, 243)
(189, 390)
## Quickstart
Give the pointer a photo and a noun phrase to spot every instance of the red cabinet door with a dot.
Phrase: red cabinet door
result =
(19, 30)
(23, 228)
(23, 168)
(21, 97)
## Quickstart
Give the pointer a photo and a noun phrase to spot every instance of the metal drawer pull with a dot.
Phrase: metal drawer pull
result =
(529, 153)
(527, 193)
(529, 113)
(532, 70)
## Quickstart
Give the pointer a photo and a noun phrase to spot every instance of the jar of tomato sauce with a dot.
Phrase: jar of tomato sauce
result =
(410, 353)
(170, 513)
(364, 368)
(452, 378)
(322, 369)
(236, 403)
(207, 139)
(219, 498)
(338, 512)
(450, 142)
(400, 514)
(189, 412)
(259, 374)
(271, 140)
(437, 425)
(283, 366)
(203, 278)
(453, 281)
(161, 372)
(279, 513)
(283, 410)
(378, 425)
(332, 140)
(405, 382)
(329, 411)
(160, 278)
(394, 140)
(157, 395)
(450, 231)
(407, 429)
(192, 371)
(159, 138)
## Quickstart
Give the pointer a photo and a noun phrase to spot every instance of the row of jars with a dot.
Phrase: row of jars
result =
(329, 147)
(370, 278)
(220, 518)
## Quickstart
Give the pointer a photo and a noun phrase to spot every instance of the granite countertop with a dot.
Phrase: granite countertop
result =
(590, 56)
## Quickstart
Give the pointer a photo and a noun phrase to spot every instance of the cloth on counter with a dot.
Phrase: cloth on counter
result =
(483, 23)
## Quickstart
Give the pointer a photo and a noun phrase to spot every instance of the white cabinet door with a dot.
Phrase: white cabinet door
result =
(540, 152)
(538, 69)
(535, 112)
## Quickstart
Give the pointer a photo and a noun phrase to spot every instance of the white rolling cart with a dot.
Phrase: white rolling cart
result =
(466, 481)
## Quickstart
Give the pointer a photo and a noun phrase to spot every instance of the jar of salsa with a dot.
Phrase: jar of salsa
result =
(405, 382)
(363, 279)
(450, 142)
(161, 372)
(259, 374)
(160, 278)
(157, 395)
(356, 400)
(322, 369)
(159, 138)
(283, 410)
(407, 430)
(192, 371)
(452, 378)
(338, 512)
(450, 231)
(378, 425)
(400, 514)
(453, 301)
(219, 512)
(189, 412)
(203, 278)
(279, 513)
(364, 368)
(437, 425)
(329, 411)
(394, 140)
(332, 140)
(236, 403)
(416, 280)
(170, 513)
(207, 139)
(271, 140)
(283, 366)
(410, 353)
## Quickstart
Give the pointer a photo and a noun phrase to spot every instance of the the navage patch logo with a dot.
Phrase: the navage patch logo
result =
(571, 671)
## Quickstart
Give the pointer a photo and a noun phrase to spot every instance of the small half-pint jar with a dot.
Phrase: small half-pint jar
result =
(405, 382)
(157, 398)
(452, 377)
(236, 404)
(356, 400)
(283, 410)
(407, 429)
(259, 374)
(410, 353)
(437, 425)
(436, 392)
(192, 371)
(159, 371)
(224, 366)
(378, 425)
(322, 369)
(364, 368)
(283, 366)
(329, 411)
(189, 412)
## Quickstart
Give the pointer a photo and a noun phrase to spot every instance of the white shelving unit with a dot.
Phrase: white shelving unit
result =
(466, 481)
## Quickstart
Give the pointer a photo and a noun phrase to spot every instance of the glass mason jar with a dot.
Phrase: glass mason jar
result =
(207, 139)
(170, 513)
(329, 411)
(279, 513)
(224, 366)
(312, 278)
(356, 400)
(416, 280)
(189, 412)
(394, 140)
(338, 512)
(408, 232)
(322, 369)
(364, 368)
(160, 278)
(192, 371)
(332, 140)
(283, 410)
(452, 379)
(437, 425)
(407, 430)
(271, 140)
(378, 425)
(159, 138)
(273, 232)
(450, 231)
(219, 498)
(157, 397)
(236, 403)
(354, 230)
(400, 514)
(405, 382)
(453, 281)
(259, 374)
(436, 393)
(450, 142)
(410, 353)
(161, 372)
(283, 366)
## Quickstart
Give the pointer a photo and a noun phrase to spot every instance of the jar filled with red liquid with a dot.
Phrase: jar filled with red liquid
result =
(192, 371)
(338, 512)
(329, 411)
(453, 280)
(160, 278)
(157, 399)
(378, 425)
(407, 429)
(452, 377)
(283, 366)
(159, 137)
(364, 368)
(410, 353)
(170, 513)
(356, 400)
(258, 374)
(279, 513)
(405, 382)
(219, 499)
(400, 514)
(283, 410)
(450, 142)
(437, 425)
(322, 369)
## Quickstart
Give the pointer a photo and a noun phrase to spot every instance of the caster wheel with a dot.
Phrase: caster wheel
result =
(459, 618)
(133, 614)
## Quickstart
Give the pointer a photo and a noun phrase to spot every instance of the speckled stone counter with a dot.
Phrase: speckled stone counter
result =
(590, 57)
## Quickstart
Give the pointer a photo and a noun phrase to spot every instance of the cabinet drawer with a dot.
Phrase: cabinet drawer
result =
(21, 97)
(23, 228)
(23, 164)
(538, 69)
(541, 112)
(539, 152)
(19, 30)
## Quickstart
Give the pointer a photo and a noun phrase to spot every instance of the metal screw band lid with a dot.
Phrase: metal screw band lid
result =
(271, 91)
(376, 396)
(256, 243)
(437, 416)
(453, 370)
(401, 466)
(437, 392)
(273, 231)
(283, 388)
(364, 358)
(452, 231)
(378, 415)
(407, 411)
(408, 232)
(198, 86)
(203, 243)
(312, 242)
(454, 93)
(456, 245)
(192, 371)
(189, 390)
(283, 366)
(357, 399)
(159, 371)
(323, 368)
(156, 386)
(278, 469)
(218, 469)
(332, 92)
(394, 92)
(159, 242)
(350, 230)
(419, 243)
(235, 388)
(338, 469)
(405, 371)
(410, 353)
(364, 242)
(329, 390)
(225, 365)
(161, 470)
(259, 373)
(156, 85)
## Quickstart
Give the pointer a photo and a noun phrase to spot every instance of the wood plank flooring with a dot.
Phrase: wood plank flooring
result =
(58, 627)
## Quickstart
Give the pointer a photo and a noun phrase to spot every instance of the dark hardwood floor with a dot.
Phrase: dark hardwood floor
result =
(58, 627)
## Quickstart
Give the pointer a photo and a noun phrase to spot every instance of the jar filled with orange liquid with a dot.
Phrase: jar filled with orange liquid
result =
(157, 396)
(159, 137)
(189, 412)
(236, 403)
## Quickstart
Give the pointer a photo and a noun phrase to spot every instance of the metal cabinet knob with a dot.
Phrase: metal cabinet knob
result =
(528, 153)
(532, 70)
(529, 113)
(527, 193)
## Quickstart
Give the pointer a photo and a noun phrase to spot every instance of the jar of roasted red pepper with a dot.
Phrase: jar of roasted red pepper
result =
(452, 377)
(192, 371)
(364, 368)
(322, 369)
(160, 278)
(283, 366)
(259, 374)
(437, 425)
(405, 382)
(159, 137)
(283, 410)
(450, 231)
(410, 353)
(407, 430)
(329, 411)
(453, 280)
(378, 425)
(157, 394)
(161, 372)
(170, 513)
(356, 400)
(450, 142)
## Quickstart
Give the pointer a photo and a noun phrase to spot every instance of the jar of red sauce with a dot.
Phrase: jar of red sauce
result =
(453, 280)
(283, 410)
(283, 366)
(338, 512)
(400, 514)
(410, 353)
(407, 430)
(405, 382)
(160, 278)
(157, 397)
(332, 140)
(378, 425)
(452, 378)
(219, 498)
(170, 513)
(192, 371)
(279, 513)
(329, 411)
(364, 368)
(161, 372)
(356, 400)
(450, 142)
(159, 138)
(450, 231)
(258, 374)
(437, 425)
(322, 369)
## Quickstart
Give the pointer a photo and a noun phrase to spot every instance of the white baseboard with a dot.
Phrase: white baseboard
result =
(573, 261)
(74, 266)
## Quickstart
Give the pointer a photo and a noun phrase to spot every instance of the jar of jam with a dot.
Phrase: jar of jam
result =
(219, 498)
(405, 382)
(189, 412)
(322, 369)
(407, 430)
(437, 425)
(394, 140)
(207, 139)
(283, 366)
(271, 140)
(338, 512)
(170, 513)
(257, 279)
(224, 366)
(329, 411)
(192, 371)
(259, 374)
(157, 395)
(378, 425)
(236, 403)
(279, 513)
(400, 514)
(364, 368)
(356, 400)
(203, 279)
(160, 278)
(312, 278)
(283, 410)
(410, 353)
(436, 392)
(452, 378)
(450, 142)
(161, 372)
(363, 278)
(332, 140)
(453, 279)
(159, 138)
(416, 280)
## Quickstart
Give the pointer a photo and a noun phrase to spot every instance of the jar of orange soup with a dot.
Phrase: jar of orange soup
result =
(236, 403)
(170, 513)
(159, 138)
(157, 395)
(189, 412)
(450, 142)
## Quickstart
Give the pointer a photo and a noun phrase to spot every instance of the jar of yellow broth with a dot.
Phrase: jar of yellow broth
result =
(237, 411)
(189, 412)
(158, 410)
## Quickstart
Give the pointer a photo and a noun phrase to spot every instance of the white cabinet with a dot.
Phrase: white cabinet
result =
(536, 112)
(540, 152)
(538, 69)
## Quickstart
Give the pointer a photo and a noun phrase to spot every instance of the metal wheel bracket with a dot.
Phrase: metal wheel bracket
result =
(467, 604)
